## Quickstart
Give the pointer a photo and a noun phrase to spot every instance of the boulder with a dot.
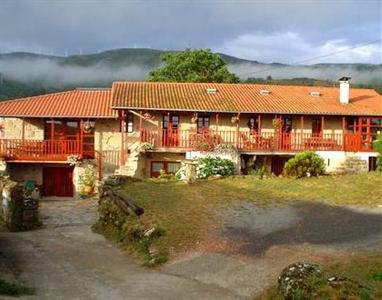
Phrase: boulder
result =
(295, 281)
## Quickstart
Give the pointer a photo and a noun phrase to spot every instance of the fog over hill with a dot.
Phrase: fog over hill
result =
(39, 73)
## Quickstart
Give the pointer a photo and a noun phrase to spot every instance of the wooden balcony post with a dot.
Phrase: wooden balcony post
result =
(81, 136)
(259, 125)
(343, 132)
(237, 131)
(368, 132)
(23, 129)
(122, 129)
(322, 125)
(217, 124)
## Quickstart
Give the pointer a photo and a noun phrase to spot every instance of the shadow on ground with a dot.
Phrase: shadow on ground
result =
(259, 228)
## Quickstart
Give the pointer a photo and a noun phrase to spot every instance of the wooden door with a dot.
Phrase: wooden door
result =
(58, 181)
(170, 132)
(286, 133)
(278, 163)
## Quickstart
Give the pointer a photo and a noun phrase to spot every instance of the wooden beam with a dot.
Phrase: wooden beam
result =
(140, 116)
(302, 126)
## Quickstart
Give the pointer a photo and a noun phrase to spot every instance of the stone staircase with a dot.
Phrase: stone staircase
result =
(353, 165)
(131, 166)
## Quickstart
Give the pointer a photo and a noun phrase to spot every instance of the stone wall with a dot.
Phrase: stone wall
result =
(22, 172)
(13, 127)
(107, 139)
(19, 211)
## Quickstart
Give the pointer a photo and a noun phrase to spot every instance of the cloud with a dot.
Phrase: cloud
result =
(94, 25)
(51, 73)
(370, 75)
(291, 48)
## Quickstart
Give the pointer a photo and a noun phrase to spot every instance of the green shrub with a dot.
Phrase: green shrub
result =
(13, 289)
(377, 145)
(258, 172)
(209, 166)
(305, 164)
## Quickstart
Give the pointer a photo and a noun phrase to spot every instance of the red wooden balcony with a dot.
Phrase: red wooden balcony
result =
(39, 150)
(244, 140)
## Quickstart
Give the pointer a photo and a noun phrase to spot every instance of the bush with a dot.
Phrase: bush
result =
(258, 172)
(377, 145)
(305, 164)
(209, 166)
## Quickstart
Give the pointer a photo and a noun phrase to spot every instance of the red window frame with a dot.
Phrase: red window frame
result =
(165, 167)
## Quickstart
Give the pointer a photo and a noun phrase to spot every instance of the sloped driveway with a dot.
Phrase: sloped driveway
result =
(65, 260)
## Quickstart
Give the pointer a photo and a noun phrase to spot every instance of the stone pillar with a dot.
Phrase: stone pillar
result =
(190, 168)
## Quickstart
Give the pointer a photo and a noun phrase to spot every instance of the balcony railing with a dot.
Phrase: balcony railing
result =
(39, 150)
(245, 140)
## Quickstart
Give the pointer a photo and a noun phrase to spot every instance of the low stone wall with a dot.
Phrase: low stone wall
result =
(18, 210)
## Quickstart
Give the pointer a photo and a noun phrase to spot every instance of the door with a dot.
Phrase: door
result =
(170, 130)
(58, 181)
(278, 163)
(286, 133)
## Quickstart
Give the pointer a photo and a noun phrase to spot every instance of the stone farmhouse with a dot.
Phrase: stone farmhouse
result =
(140, 128)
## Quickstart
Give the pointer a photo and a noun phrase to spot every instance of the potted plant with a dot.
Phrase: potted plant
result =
(235, 119)
(88, 180)
(88, 127)
(276, 123)
(73, 159)
(194, 118)
(146, 146)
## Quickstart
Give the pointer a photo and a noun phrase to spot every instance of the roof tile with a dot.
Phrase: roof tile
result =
(243, 98)
(86, 103)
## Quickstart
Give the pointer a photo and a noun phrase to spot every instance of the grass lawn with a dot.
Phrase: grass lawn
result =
(366, 270)
(186, 212)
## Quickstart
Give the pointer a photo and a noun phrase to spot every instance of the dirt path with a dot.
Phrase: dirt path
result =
(65, 260)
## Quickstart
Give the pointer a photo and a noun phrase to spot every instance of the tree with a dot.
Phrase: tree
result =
(199, 65)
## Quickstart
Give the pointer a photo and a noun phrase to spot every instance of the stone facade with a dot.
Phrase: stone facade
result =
(13, 128)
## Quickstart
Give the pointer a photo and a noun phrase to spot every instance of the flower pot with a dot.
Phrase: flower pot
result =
(88, 189)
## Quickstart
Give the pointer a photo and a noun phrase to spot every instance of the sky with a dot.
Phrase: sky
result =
(288, 31)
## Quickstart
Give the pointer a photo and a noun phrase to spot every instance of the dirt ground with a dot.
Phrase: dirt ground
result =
(65, 260)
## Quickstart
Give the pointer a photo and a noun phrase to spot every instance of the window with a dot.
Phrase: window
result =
(375, 126)
(174, 122)
(351, 124)
(253, 125)
(157, 166)
(130, 123)
(168, 167)
(287, 125)
(203, 122)
(316, 126)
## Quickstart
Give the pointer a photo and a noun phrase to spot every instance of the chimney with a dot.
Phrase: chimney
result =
(344, 89)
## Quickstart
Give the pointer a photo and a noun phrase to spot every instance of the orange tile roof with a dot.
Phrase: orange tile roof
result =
(243, 98)
(85, 103)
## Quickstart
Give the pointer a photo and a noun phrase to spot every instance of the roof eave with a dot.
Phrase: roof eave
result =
(249, 112)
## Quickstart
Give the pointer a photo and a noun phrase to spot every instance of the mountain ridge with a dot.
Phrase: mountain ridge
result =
(25, 73)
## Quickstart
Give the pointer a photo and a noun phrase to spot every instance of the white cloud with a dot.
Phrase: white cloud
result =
(290, 47)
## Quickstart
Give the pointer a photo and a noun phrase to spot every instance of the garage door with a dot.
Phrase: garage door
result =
(58, 181)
